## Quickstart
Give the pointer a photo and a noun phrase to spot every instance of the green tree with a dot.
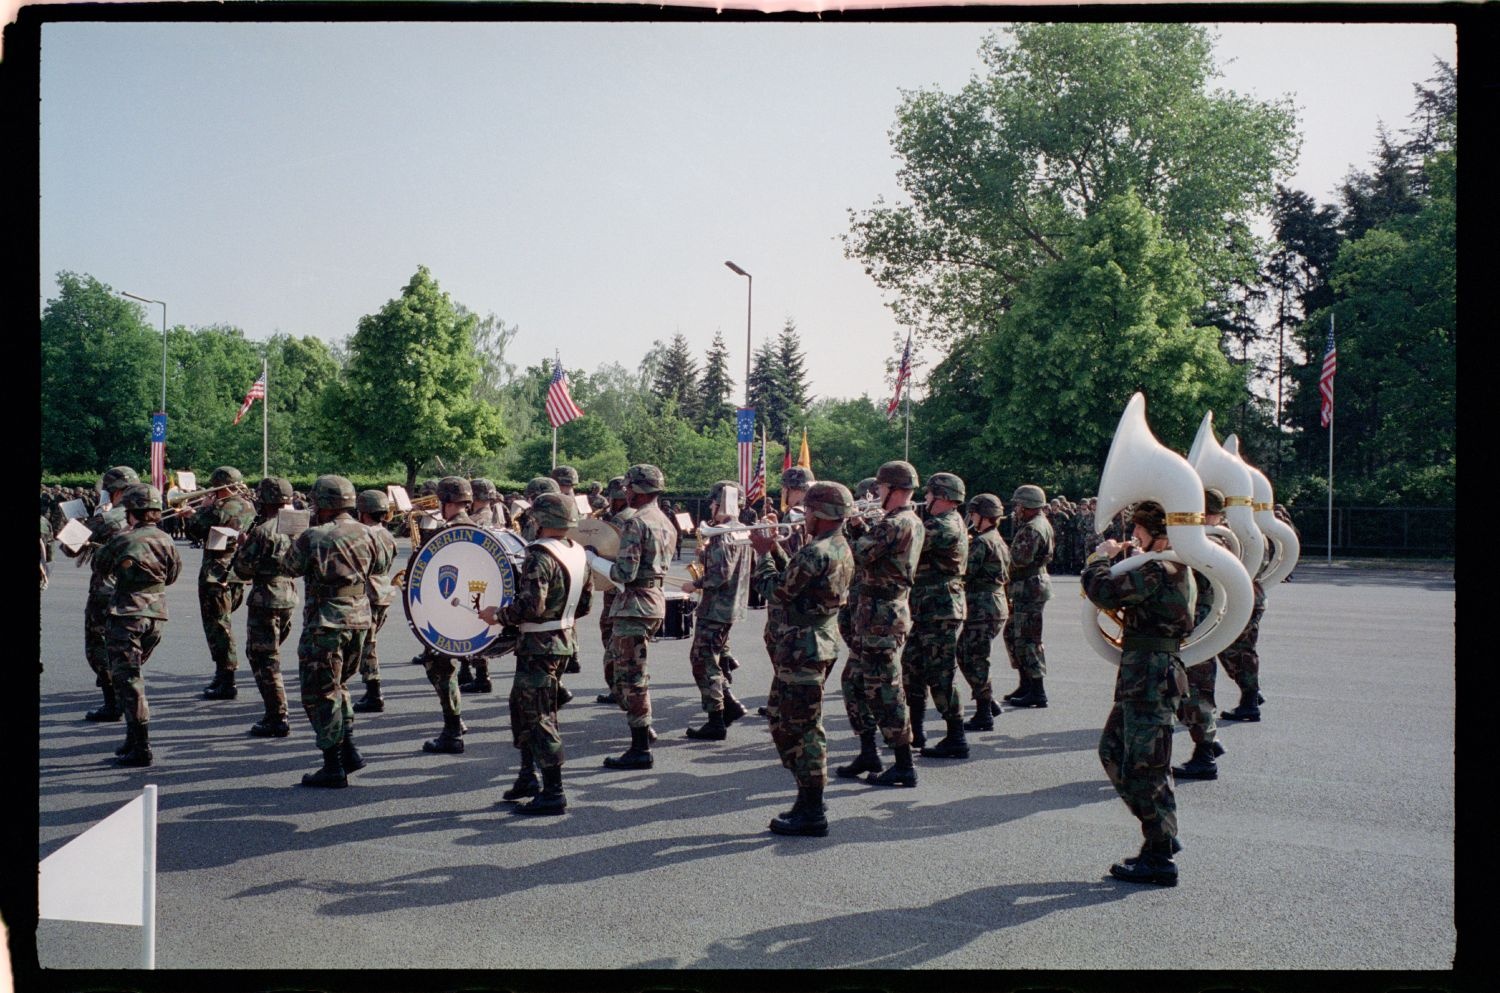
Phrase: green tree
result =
(587, 444)
(298, 370)
(100, 378)
(1066, 118)
(717, 385)
(793, 369)
(849, 439)
(676, 379)
(407, 394)
(209, 371)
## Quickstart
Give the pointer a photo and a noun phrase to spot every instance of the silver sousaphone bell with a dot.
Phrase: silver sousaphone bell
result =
(1138, 468)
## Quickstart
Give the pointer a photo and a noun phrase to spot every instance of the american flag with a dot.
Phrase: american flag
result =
(159, 451)
(744, 429)
(560, 406)
(757, 488)
(257, 392)
(902, 375)
(1325, 381)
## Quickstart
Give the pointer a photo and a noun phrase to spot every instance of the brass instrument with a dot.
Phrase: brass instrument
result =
(420, 506)
(190, 503)
(712, 531)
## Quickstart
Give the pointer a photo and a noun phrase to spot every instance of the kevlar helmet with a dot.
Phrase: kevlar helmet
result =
(454, 489)
(540, 485)
(141, 497)
(645, 478)
(484, 490)
(273, 490)
(946, 486)
(716, 495)
(899, 475)
(1152, 516)
(616, 488)
(119, 477)
(373, 502)
(565, 475)
(1029, 496)
(865, 488)
(797, 478)
(428, 488)
(554, 510)
(1213, 501)
(225, 475)
(829, 502)
(987, 505)
(332, 493)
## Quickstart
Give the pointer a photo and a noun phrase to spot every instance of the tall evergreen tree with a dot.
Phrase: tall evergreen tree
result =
(793, 369)
(1373, 199)
(676, 379)
(716, 385)
(767, 394)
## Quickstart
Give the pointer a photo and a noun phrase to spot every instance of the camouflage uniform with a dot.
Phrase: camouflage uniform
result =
(639, 609)
(1241, 661)
(937, 611)
(381, 592)
(103, 528)
(1029, 589)
(273, 597)
(442, 673)
(606, 619)
(141, 563)
(542, 590)
(1197, 710)
(336, 558)
(726, 589)
(1157, 600)
(886, 558)
(985, 576)
(810, 586)
(220, 592)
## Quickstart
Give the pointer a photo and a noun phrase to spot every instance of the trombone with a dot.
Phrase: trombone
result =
(188, 503)
(783, 530)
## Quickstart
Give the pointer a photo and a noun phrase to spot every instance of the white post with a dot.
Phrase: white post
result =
(1330, 465)
(265, 418)
(148, 883)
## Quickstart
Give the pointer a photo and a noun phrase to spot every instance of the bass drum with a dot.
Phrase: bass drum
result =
(679, 619)
(513, 543)
(455, 574)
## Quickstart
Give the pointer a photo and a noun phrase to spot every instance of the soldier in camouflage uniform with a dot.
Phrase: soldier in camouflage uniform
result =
(141, 562)
(374, 507)
(795, 481)
(102, 526)
(885, 557)
(487, 511)
(46, 548)
(619, 511)
(596, 498)
(336, 557)
(1030, 550)
(1197, 710)
(1157, 601)
(725, 586)
(454, 497)
(639, 608)
(938, 609)
(809, 586)
(566, 478)
(1241, 661)
(553, 589)
(985, 577)
(858, 711)
(220, 591)
(273, 597)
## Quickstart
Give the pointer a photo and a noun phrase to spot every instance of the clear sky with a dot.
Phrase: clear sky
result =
(585, 182)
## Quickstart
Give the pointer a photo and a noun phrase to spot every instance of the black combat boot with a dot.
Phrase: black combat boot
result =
(107, 711)
(332, 773)
(714, 730)
(450, 741)
(918, 715)
(526, 784)
(273, 725)
(953, 746)
(733, 709)
(465, 674)
(1200, 766)
(868, 759)
(1020, 690)
(129, 745)
(349, 756)
(727, 664)
(551, 800)
(808, 815)
(903, 773)
(564, 695)
(480, 683)
(1035, 696)
(1248, 710)
(1218, 750)
(572, 665)
(985, 710)
(222, 688)
(139, 754)
(371, 702)
(1153, 865)
(606, 698)
(638, 755)
(1145, 848)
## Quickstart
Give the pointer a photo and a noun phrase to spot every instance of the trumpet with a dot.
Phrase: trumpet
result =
(711, 531)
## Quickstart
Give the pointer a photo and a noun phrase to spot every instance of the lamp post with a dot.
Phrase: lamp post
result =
(163, 343)
(749, 289)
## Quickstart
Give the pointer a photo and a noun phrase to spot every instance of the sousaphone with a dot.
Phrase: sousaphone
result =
(1285, 548)
(1138, 468)
(1229, 475)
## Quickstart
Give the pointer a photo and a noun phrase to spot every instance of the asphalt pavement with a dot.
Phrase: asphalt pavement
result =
(1327, 842)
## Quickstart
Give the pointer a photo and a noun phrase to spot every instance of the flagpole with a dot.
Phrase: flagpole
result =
(265, 418)
(554, 448)
(148, 882)
(1330, 461)
(907, 455)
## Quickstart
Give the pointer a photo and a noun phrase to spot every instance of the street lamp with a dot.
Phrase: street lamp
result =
(749, 289)
(163, 343)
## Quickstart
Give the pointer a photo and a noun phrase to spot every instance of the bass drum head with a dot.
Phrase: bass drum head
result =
(455, 574)
(513, 543)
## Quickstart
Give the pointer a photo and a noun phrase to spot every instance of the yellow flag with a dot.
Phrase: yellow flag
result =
(803, 458)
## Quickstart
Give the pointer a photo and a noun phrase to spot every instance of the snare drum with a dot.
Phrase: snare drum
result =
(679, 621)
